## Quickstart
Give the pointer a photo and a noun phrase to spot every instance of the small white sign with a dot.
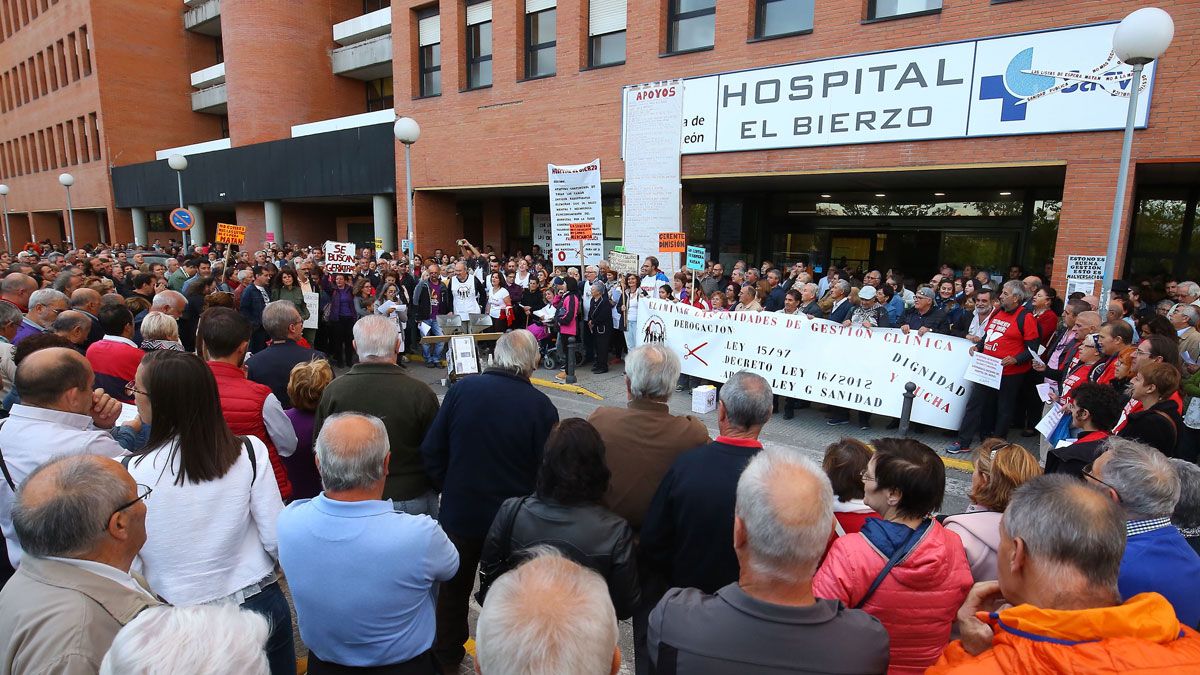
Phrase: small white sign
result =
(985, 370)
(1085, 286)
(313, 302)
(1085, 267)
(1050, 422)
(462, 350)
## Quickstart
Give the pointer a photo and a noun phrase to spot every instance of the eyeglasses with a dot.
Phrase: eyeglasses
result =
(1087, 473)
(131, 389)
(866, 476)
(143, 492)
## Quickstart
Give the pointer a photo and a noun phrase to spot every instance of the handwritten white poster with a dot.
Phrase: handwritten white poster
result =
(818, 360)
(339, 257)
(986, 370)
(653, 118)
(575, 201)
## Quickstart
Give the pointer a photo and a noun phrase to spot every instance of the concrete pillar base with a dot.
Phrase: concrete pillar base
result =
(141, 227)
(385, 227)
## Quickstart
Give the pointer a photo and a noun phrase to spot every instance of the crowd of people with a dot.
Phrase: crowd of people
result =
(183, 471)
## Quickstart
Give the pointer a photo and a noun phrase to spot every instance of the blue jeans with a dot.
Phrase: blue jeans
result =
(281, 648)
(423, 505)
(436, 349)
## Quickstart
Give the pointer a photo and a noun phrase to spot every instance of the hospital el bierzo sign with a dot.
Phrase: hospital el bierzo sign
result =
(1053, 81)
(818, 360)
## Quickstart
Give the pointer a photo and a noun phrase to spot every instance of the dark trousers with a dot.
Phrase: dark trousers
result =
(1030, 404)
(341, 341)
(601, 337)
(281, 648)
(653, 587)
(835, 413)
(589, 345)
(453, 604)
(989, 411)
(422, 664)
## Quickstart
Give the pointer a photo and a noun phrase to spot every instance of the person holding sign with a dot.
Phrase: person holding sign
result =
(652, 277)
(1010, 335)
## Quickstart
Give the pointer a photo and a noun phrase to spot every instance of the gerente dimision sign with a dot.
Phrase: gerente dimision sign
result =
(1053, 81)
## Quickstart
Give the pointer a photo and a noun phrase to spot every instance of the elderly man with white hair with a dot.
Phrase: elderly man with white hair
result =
(273, 365)
(484, 447)
(1157, 557)
(44, 307)
(171, 303)
(769, 621)
(377, 386)
(1185, 319)
(363, 576)
(548, 616)
(165, 641)
(1188, 293)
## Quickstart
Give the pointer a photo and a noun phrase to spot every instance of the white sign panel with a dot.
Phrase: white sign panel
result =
(575, 199)
(985, 369)
(313, 302)
(653, 117)
(541, 233)
(808, 358)
(1085, 266)
(1047, 82)
(339, 257)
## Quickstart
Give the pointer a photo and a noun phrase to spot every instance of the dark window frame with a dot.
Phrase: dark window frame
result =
(533, 49)
(383, 101)
(760, 15)
(472, 46)
(592, 64)
(424, 69)
(674, 16)
(872, 13)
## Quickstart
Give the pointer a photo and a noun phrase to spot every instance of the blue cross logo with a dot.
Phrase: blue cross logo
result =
(1014, 86)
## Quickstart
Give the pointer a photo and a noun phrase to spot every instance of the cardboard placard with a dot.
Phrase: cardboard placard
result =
(624, 263)
(231, 234)
(672, 242)
(339, 257)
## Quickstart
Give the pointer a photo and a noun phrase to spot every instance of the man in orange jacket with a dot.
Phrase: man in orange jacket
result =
(1061, 544)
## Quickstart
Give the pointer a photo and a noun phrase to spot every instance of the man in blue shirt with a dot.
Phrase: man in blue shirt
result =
(363, 576)
(1157, 557)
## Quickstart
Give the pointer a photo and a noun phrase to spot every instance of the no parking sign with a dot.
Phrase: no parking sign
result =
(182, 219)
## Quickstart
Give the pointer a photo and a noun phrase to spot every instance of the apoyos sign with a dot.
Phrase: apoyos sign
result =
(1047, 82)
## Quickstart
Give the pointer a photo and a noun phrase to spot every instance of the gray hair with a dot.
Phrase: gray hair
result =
(278, 317)
(348, 458)
(375, 338)
(524, 628)
(16, 282)
(74, 518)
(1143, 476)
(747, 398)
(843, 286)
(160, 326)
(64, 278)
(652, 371)
(1189, 289)
(1187, 509)
(9, 314)
(167, 300)
(1016, 288)
(46, 296)
(1189, 311)
(244, 275)
(812, 288)
(517, 351)
(1087, 531)
(598, 287)
(786, 533)
(167, 639)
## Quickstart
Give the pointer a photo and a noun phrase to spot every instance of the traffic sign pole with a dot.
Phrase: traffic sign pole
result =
(179, 179)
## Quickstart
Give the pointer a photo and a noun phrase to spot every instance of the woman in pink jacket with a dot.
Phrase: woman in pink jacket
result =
(903, 568)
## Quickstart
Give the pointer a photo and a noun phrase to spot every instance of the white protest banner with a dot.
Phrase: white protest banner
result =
(985, 370)
(339, 257)
(313, 302)
(817, 360)
(1089, 267)
(575, 200)
(652, 119)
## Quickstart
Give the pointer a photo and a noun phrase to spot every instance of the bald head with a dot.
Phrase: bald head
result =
(352, 451)
(54, 378)
(85, 299)
(549, 615)
(72, 325)
(783, 515)
(170, 303)
(17, 285)
(1087, 323)
(65, 508)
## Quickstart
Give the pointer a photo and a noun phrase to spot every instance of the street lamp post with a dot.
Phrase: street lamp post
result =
(179, 163)
(67, 180)
(1140, 38)
(407, 132)
(7, 233)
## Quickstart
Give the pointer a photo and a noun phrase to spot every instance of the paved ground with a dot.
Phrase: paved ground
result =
(807, 432)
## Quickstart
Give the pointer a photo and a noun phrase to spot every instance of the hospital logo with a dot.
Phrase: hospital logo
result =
(654, 331)
(1022, 83)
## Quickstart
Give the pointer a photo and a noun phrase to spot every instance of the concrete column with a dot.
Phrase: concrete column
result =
(198, 235)
(141, 227)
(385, 227)
(273, 214)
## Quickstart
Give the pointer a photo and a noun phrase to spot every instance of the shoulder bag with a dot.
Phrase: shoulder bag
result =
(902, 551)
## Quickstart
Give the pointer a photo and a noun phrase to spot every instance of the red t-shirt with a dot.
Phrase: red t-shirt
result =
(1047, 323)
(1075, 378)
(1005, 338)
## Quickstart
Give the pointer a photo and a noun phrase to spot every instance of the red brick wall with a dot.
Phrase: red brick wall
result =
(508, 133)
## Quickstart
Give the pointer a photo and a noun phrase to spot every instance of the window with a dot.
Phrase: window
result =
(224, 121)
(885, 9)
(375, 5)
(539, 38)
(429, 57)
(783, 17)
(692, 24)
(479, 45)
(85, 56)
(606, 32)
(379, 94)
(73, 56)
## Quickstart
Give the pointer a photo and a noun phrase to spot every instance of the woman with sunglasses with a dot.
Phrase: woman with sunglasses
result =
(1000, 468)
(211, 534)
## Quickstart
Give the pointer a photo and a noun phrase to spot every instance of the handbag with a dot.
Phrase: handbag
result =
(507, 562)
(897, 556)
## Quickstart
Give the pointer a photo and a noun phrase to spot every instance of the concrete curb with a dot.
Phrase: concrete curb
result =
(571, 388)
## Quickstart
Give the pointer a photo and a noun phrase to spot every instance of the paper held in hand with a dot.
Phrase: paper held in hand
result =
(1050, 422)
(985, 370)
